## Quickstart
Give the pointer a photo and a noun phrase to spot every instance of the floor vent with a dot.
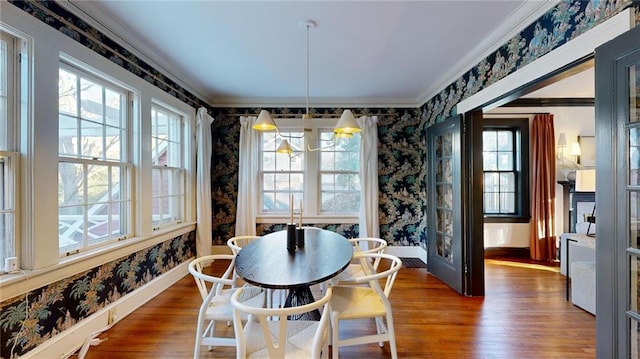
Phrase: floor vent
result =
(413, 262)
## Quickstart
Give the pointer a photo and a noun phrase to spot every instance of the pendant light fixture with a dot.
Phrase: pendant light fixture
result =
(345, 127)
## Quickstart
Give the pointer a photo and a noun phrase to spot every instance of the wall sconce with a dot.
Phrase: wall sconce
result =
(575, 151)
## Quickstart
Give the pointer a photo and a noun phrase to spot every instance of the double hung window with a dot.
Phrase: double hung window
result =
(321, 174)
(168, 166)
(94, 168)
(505, 164)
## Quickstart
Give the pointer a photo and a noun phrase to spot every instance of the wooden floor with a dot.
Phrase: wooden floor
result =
(523, 315)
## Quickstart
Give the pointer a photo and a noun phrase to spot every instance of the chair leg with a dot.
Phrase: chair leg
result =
(335, 336)
(392, 336)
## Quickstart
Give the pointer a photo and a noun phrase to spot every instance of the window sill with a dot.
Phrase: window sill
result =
(506, 219)
(14, 284)
(323, 219)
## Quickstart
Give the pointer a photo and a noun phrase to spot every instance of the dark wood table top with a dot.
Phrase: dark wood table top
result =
(266, 262)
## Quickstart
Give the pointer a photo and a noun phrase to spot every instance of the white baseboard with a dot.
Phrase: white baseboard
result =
(69, 341)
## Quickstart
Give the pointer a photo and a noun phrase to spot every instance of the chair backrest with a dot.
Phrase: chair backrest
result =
(209, 285)
(369, 245)
(372, 276)
(276, 344)
(236, 243)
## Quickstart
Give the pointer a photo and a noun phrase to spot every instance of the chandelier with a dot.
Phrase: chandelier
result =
(345, 127)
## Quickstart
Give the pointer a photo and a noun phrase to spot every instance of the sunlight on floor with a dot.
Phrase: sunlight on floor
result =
(523, 265)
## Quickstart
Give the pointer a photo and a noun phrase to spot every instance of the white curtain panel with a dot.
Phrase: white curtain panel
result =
(247, 179)
(369, 222)
(203, 182)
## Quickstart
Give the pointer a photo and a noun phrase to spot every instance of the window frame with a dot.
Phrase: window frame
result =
(177, 201)
(520, 129)
(125, 165)
(311, 171)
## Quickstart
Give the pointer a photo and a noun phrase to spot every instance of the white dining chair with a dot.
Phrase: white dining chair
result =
(361, 245)
(216, 307)
(371, 301)
(236, 244)
(269, 333)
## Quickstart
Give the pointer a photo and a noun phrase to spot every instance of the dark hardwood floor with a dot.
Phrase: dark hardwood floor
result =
(523, 315)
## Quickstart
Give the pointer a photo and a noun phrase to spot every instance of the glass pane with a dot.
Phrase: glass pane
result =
(268, 181)
(634, 289)
(634, 156)
(114, 115)
(156, 180)
(113, 144)
(296, 163)
(489, 161)
(634, 93)
(505, 141)
(91, 100)
(91, 139)
(634, 220)
(268, 201)
(158, 148)
(634, 336)
(282, 201)
(118, 227)
(67, 93)
(445, 221)
(443, 247)
(269, 141)
(328, 182)
(489, 141)
(297, 181)
(282, 181)
(117, 185)
(505, 161)
(444, 196)
(97, 184)
(491, 182)
(98, 225)
(491, 203)
(507, 182)
(507, 202)
(268, 161)
(447, 144)
(327, 161)
(70, 227)
(67, 136)
(70, 184)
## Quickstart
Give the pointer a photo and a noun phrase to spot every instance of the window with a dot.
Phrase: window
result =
(505, 155)
(9, 155)
(325, 179)
(94, 180)
(169, 173)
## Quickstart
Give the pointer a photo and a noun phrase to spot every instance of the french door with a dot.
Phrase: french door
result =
(617, 66)
(444, 203)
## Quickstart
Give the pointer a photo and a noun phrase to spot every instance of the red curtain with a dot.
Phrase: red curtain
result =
(542, 240)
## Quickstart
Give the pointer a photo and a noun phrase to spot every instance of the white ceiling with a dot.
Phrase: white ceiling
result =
(365, 53)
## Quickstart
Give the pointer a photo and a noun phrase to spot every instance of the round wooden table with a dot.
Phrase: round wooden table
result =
(267, 263)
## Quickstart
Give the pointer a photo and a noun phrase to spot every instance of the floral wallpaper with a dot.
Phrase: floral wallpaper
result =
(566, 21)
(401, 173)
(30, 319)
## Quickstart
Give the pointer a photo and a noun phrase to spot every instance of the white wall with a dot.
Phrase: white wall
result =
(573, 122)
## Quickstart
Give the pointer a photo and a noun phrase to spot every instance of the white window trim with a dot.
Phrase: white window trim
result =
(311, 205)
(159, 105)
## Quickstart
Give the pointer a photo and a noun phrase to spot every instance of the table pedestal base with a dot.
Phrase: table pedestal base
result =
(301, 296)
